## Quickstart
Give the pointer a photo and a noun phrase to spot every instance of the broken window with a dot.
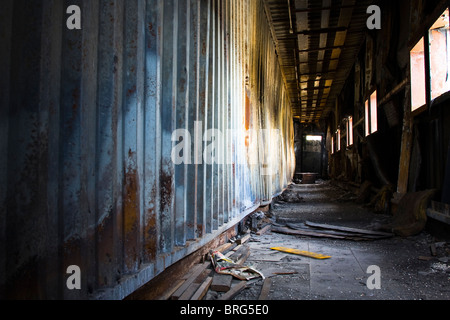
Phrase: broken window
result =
(438, 36)
(371, 114)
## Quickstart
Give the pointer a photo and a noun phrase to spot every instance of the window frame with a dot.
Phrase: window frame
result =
(369, 111)
(425, 35)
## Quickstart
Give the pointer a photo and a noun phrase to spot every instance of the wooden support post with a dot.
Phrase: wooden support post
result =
(405, 155)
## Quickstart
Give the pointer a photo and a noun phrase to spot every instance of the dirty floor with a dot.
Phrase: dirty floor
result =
(408, 269)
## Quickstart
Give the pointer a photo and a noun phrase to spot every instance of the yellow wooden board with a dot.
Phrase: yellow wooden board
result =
(302, 253)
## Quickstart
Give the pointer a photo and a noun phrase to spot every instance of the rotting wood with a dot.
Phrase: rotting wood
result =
(264, 295)
(289, 231)
(203, 289)
(193, 287)
(243, 239)
(225, 247)
(348, 229)
(221, 282)
(199, 269)
(170, 292)
(242, 251)
(187, 294)
(406, 146)
(244, 257)
(264, 230)
(233, 291)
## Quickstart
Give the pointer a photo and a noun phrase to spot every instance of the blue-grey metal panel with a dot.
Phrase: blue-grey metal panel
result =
(87, 133)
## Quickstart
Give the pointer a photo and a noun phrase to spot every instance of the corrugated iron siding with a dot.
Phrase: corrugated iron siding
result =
(87, 123)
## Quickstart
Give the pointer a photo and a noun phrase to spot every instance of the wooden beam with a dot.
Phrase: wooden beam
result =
(199, 269)
(406, 146)
(234, 291)
(221, 282)
(203, 289)
(265, 289)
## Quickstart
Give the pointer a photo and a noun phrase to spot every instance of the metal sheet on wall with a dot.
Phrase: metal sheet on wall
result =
(90, 120)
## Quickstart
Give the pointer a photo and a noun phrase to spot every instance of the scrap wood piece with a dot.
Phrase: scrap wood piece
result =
(346, 234)
(194, 286)
(302, 253)
(221, 282)
(348, 229)
(198, 270)
(233, 291)
(264, 295)
(241, 255)
(226, 247)
(203, 289)
(272, 272)
(172, 289)
(264, 230)
(243, 239)
(296, 232)
(187, 294)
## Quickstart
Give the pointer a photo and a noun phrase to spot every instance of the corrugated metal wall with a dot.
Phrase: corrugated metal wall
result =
(92, 120)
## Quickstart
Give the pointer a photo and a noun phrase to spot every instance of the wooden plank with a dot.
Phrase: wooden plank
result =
(225, 247)
(199, 269)
(242, 251)
(264, 295)
(243, 239)
(406, 145)
(234, 291)
(244, 257)
(264, 230)
(347, 229)
(305, 233)
(302, 253)
(170, 292)
(203, 289)
(221, 282)
(189, 292)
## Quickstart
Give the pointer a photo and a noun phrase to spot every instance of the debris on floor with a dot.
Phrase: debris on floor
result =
(302, 253)
(411, 217)
(329, 231)
(224, 265)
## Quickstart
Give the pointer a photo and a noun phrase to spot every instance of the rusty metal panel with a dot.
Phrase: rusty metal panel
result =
(91, 120)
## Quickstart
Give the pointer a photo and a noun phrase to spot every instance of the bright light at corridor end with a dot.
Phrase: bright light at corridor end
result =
(314, 138)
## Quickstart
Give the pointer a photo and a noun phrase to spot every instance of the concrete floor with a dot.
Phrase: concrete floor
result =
(408, 271)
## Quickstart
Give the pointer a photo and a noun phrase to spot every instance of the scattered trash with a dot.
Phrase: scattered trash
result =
(438, 266)
(302, 253)
(224, 265)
